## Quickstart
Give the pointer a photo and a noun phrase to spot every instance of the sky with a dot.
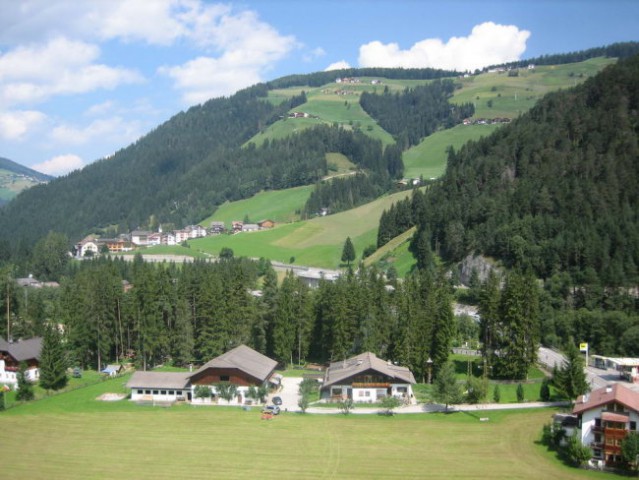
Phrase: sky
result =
(80, 80)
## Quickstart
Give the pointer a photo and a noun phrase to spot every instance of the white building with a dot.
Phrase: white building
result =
(367, 379)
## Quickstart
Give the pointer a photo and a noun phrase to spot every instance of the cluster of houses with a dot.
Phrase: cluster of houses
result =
(363, 378)
(301, 115)
(486, 121)
(92, 245)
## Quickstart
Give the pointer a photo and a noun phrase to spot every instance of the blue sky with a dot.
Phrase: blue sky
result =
(81, 79)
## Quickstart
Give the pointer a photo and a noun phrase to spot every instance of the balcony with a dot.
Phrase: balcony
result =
(371, 385)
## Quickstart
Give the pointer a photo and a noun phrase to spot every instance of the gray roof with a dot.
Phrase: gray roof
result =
(23, 349)
(176, 380)
(339, 371)
(245, 359)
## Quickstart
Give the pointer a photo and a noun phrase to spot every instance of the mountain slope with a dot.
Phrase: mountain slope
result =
(556, 190)
(15, 178)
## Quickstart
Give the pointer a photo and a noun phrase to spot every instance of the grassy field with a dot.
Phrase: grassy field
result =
(277, 205)
(317, 242)
(428, 159)
(74, 436)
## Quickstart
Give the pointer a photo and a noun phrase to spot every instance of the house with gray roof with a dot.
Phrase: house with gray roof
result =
(365, 378)
(14, 353)
(241, 366)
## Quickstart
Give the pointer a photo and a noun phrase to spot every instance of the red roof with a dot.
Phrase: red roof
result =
(602, 396)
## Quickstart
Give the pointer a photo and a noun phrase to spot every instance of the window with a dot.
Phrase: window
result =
(633, 425)
(224, 378)
(360, 393)
(337, 391)
(368, 394)
(155, 392)
(178, 392)
(163, 392)
(140, 391)
(402, 389)
(147, 392)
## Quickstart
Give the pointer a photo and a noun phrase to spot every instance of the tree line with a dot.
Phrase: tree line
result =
(112, 310)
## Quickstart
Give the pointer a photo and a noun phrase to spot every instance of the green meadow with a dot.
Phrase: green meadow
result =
(281, 206)
(75, 436)
(317, 242)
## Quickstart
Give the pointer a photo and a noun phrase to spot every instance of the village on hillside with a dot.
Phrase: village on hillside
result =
(93, 245)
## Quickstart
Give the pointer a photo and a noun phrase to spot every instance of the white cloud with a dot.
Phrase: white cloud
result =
(113, 129)
(314, 54)
(154, 22)
(34, 73)
(342, 64)
(487, 44)
(59, 165)
(247, 46)
(100, 108)
(14, 125)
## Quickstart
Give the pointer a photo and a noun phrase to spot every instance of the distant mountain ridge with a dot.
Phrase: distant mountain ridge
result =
(6, 164)
(14, 178)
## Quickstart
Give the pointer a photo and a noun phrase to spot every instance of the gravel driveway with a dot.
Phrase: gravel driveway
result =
(288, 393)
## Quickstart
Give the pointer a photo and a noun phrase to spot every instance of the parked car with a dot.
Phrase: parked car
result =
(274, 409)
(277, 401)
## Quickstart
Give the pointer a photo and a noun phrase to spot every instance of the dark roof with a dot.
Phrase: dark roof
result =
(245, 359)
(602, 396)
(23, 349)
(339, 371)
(176, 380)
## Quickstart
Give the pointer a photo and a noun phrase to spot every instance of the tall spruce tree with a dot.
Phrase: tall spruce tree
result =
(571, 377)
(518, 328)
(53, 364)
(348, 252)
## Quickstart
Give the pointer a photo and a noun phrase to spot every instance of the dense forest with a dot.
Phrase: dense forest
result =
(150, 314)
(553, 192)
(416, 112)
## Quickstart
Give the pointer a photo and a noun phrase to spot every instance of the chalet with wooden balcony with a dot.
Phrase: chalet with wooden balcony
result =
(605, 416)
(241, 366)
(367, 379)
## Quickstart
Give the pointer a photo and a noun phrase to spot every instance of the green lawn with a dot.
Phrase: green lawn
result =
(74, 436)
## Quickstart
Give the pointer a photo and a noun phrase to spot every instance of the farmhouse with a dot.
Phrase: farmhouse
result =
(112, 370)
(241, 366)
(366, 378)
(14, 353)
(605, 416)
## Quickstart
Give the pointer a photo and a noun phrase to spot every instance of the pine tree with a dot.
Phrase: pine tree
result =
(447, 390)
(571, 378)
(348, 252)
(53, 367)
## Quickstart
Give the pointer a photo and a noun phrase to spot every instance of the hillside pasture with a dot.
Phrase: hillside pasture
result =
(428, 159)
(317, 242)
(513, 95)
(75, 436)
(281, 206)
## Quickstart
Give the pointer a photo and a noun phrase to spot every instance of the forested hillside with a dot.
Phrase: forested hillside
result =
(556, 191)
(179, 172)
